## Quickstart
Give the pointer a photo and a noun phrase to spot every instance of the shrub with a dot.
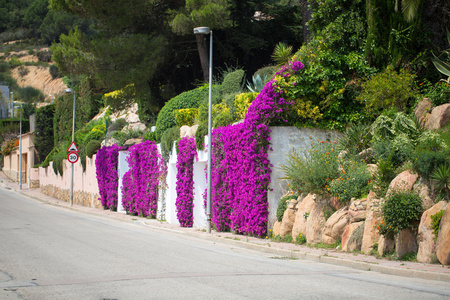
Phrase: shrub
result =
(353, 182)
(222, 119)
(300, 239)
(23, 71)
(401, 210)
(282, 206)
(312, 170)
(356, 138)
(54, 71)
(118, 124)
(426, 161)
(200, 134)
(439, 93)
(441, 180)
(185, 116)
(107, 175)
(94, 135)
(44, 138)
(149, 136)
(436, 222)
(30, 94)
(119, 99)
(168, 137)
(282, 53)
(189, 99)
(388, 89)
(58, 158)
(92, 148)
(44, 56)
(384, 175)
(120, 137)
(233, 82)
(242, 102)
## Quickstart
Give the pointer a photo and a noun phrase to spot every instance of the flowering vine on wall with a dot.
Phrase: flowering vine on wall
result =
(240, 165)
(141, 182)
(107, 176)
(185, 181)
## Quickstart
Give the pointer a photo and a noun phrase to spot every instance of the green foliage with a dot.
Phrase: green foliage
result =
(94, 135)
(168, 137)
(54, 71)
(442, 65)
(23, 71)
(438, 94)
(388, 89)
(149, 136)
(281, 54)
(356, 138)
(8, 147)
(401, 210)
(242, 102)
(440, 179)
(185, 116)
(30, 94)
(311, 170)
(92, 147)
(258, 83)
(200, 134)
(224, 118)
(233, 81)
(44, 138)
(352, 183)
(384, 175)
(282, 206)
(300, 239)
(44, 56)
(118, 124)
(426, 161)
(436, 222)
(266, 72)
(189, 99)
(119, 99)
(120, 137)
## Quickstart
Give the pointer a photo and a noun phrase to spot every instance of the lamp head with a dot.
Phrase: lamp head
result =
(202, 30)
(68, 91)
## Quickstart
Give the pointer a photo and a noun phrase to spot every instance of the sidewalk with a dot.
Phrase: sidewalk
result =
(330, 256)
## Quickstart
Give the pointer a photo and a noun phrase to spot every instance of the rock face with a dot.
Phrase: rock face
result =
(424, 192)
(373, 217)
(385, 245)
(288, 220)
(184, 130)
(334, 227)
(443, 241)
(439, 117)
(406, 242)
(422, 112)
(352, 236)
(276, 228)
(315, 224)
(303, 207)
(404, 181)
(427, 246)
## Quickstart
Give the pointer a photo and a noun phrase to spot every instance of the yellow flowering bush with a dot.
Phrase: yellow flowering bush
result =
(242, 103)
(185, 116)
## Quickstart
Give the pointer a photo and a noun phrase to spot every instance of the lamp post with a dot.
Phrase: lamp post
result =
(20, 146)
(206, 30)
(12, 104)
(68, 91)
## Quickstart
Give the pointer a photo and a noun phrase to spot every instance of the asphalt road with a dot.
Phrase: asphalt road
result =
(48, 252)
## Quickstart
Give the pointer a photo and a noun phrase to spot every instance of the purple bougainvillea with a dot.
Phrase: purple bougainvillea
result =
(141, 183)
(107, 177)
(240, 165)
(185, 181)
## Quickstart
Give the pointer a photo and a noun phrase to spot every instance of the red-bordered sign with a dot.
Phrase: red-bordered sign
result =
(72, 148)
(72, 157)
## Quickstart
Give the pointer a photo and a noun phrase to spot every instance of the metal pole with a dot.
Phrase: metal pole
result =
(208, 199)
(12, 106)
(20, 150)
(73, 139)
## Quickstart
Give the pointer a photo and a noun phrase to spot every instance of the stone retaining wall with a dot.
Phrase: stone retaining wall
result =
(79, 198)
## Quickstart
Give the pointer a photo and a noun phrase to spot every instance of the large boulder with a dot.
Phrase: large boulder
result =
(439, 117)
(335, 225)
(385, 245)
(424, 192)
(352, 236)
(373, 217)
(427, 246)
(403, 182)
(443, 241)
(422, 112)
(406, 242)
(303, 209)
(315, 224)
(288, 220)
(184, 131)
(276, 228)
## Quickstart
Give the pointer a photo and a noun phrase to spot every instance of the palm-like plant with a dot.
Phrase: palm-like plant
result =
(282, 53)
(441, 65)
(441, 179)
(258, 83)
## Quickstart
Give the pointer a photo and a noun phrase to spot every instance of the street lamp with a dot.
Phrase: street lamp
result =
(206, 30)
(20, 146)
(12, 104)
(68, 91)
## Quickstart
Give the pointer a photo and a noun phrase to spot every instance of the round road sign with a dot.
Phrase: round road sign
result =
(72, 157)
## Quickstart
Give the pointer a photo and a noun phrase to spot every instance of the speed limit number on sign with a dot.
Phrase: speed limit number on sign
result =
(72, 157)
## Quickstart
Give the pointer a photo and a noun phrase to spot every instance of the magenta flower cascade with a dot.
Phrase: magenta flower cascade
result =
(240, 165)
(141, 183)
(185, 181)
(106, 163)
